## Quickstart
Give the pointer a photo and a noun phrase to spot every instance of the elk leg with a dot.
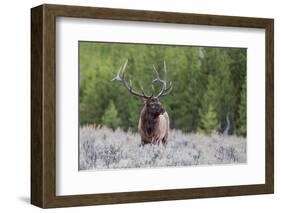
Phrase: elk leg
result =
(144, 142)
(165, 140)
(155, 141)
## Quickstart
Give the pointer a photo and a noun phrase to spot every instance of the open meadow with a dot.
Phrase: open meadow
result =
(103, 148)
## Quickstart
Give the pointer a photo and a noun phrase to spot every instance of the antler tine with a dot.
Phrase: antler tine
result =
(157, 79)
(165, 90)
(142, 90)
(117, 77)
(123, 69)
(157, 74)
(152, 87)
(165, 76)
(121, 77)
(165, 72)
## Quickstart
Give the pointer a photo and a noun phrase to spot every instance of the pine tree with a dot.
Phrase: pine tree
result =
(242, 129)
(188, 90)
(110, 117)
(133, 115)
(208, 113)
(209, 121)
(220, 82)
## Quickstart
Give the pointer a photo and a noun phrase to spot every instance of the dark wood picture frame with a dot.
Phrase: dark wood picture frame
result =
(43, 105)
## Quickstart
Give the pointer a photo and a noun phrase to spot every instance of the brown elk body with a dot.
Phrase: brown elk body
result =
(153, 123)
(154, 120)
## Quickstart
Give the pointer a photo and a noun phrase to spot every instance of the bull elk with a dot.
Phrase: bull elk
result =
(154, 120)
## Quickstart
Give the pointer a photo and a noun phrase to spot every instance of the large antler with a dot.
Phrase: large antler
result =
(121, 77)
(165, 90)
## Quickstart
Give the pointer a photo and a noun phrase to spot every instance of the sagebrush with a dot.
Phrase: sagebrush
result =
(104, 148)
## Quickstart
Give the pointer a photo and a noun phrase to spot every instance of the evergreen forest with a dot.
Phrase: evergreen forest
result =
(209, 86)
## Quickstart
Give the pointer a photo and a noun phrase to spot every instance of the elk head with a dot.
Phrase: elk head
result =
(154, 120)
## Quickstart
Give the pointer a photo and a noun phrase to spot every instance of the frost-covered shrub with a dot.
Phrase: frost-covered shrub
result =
(103, 148)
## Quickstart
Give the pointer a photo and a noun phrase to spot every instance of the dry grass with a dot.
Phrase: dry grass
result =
(102, 148)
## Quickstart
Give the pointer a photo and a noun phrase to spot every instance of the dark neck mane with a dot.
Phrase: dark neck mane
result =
(149, 123)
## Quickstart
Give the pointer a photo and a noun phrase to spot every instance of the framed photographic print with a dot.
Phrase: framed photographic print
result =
(136, 106)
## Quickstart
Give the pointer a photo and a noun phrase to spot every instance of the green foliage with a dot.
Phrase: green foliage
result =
(207, 82)
(242, 128)
(209, 107)
(110, 117)
(209, 122)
